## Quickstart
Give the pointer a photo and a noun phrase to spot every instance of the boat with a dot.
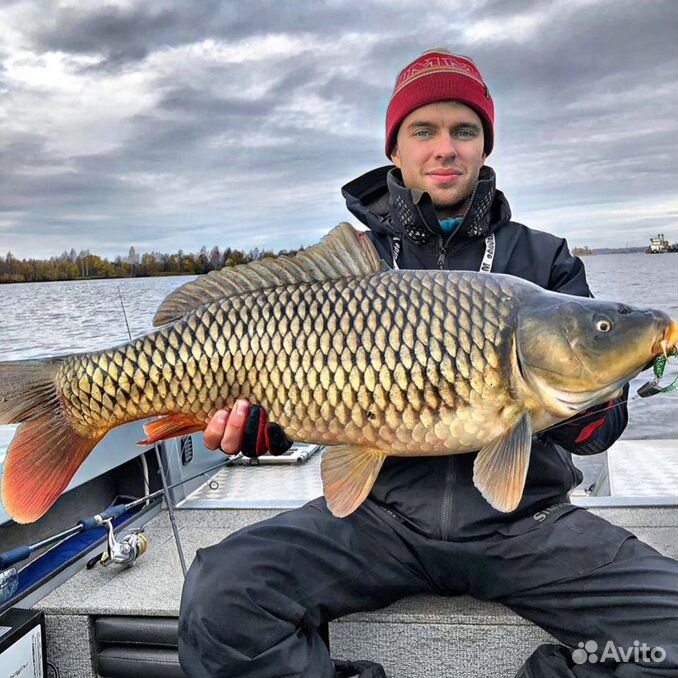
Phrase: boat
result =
(76, 618)
(660, 245)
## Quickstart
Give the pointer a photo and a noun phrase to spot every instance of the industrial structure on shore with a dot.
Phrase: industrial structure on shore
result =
(660, 245)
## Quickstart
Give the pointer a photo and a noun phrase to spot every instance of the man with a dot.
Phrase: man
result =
(252, 605)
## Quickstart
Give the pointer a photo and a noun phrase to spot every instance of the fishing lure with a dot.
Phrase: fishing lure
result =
(652, 387)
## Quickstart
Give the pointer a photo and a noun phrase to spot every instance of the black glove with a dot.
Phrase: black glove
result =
(261, 436)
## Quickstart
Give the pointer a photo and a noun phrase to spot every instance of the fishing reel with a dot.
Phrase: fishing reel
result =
(123, 551)
(9, 584)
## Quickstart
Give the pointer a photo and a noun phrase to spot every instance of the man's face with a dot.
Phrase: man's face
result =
(439, 149)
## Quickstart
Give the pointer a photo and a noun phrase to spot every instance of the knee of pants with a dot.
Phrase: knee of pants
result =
(230, 605)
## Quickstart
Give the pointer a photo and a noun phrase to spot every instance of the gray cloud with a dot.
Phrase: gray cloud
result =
(119, 35)
(169, 125)
(122, 35)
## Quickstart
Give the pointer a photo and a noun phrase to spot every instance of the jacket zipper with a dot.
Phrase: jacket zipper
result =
(441, 253)
(389, 512)
(448, 492)
(463, 221)
(441, 244)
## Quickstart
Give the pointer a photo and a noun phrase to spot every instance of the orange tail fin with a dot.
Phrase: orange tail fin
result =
(46, 451)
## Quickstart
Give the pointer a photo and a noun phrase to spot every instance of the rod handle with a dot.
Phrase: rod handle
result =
(13, 556)
(114, 512)
(89, 523)
(95, 521)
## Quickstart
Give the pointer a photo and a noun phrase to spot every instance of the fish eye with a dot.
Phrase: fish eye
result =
(603, 325)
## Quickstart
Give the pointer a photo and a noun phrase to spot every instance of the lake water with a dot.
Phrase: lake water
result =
(41, 319)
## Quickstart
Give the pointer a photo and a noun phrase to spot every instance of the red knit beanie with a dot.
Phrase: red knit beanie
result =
(438, 75)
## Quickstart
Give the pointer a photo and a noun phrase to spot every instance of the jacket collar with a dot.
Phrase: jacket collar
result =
(381, 201)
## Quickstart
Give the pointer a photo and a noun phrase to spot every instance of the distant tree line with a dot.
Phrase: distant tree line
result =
(74, 265)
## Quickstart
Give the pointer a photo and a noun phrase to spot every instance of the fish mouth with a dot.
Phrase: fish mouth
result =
(667, 341)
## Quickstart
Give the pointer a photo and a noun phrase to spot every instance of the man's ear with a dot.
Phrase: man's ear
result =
(395, 156)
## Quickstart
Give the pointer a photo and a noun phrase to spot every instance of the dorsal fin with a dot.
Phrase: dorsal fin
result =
(342, 253)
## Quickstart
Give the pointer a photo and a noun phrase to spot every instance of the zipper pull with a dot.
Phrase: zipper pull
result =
(441, 254)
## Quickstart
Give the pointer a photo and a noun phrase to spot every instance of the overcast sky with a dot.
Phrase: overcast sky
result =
(168, 125)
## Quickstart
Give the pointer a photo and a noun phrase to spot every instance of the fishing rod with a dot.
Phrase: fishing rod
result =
(15, 555)
(170, 511)
(122, 303)
(163, 479)
(124, 551)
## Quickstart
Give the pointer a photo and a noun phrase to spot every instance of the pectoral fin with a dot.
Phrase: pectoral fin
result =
(500, 468)
(348, 473)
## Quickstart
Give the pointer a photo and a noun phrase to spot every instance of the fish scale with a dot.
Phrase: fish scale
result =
(376, 358)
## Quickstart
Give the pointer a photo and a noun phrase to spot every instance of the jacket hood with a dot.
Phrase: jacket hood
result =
(381, 202)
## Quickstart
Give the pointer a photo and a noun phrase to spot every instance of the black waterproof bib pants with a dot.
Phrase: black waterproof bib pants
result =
(252, 605)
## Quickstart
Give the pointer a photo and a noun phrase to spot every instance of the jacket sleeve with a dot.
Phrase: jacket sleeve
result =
(568, 274)
(596, 429)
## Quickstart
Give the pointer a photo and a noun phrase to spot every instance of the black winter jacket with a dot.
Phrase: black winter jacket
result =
(436, 495)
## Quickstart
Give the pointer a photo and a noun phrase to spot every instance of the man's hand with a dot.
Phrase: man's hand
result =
(245, 429)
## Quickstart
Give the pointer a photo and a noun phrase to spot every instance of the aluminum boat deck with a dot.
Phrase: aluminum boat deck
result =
(419, 636)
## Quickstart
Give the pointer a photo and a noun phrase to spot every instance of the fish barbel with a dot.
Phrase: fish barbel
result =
(341, 352)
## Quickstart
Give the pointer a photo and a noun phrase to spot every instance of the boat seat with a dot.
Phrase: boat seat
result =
(132, 647)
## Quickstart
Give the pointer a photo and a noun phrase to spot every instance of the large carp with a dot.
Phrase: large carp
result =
(339, 351)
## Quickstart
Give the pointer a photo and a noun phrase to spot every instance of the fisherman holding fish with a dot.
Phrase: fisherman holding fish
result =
(252, 606)
(450, 359)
